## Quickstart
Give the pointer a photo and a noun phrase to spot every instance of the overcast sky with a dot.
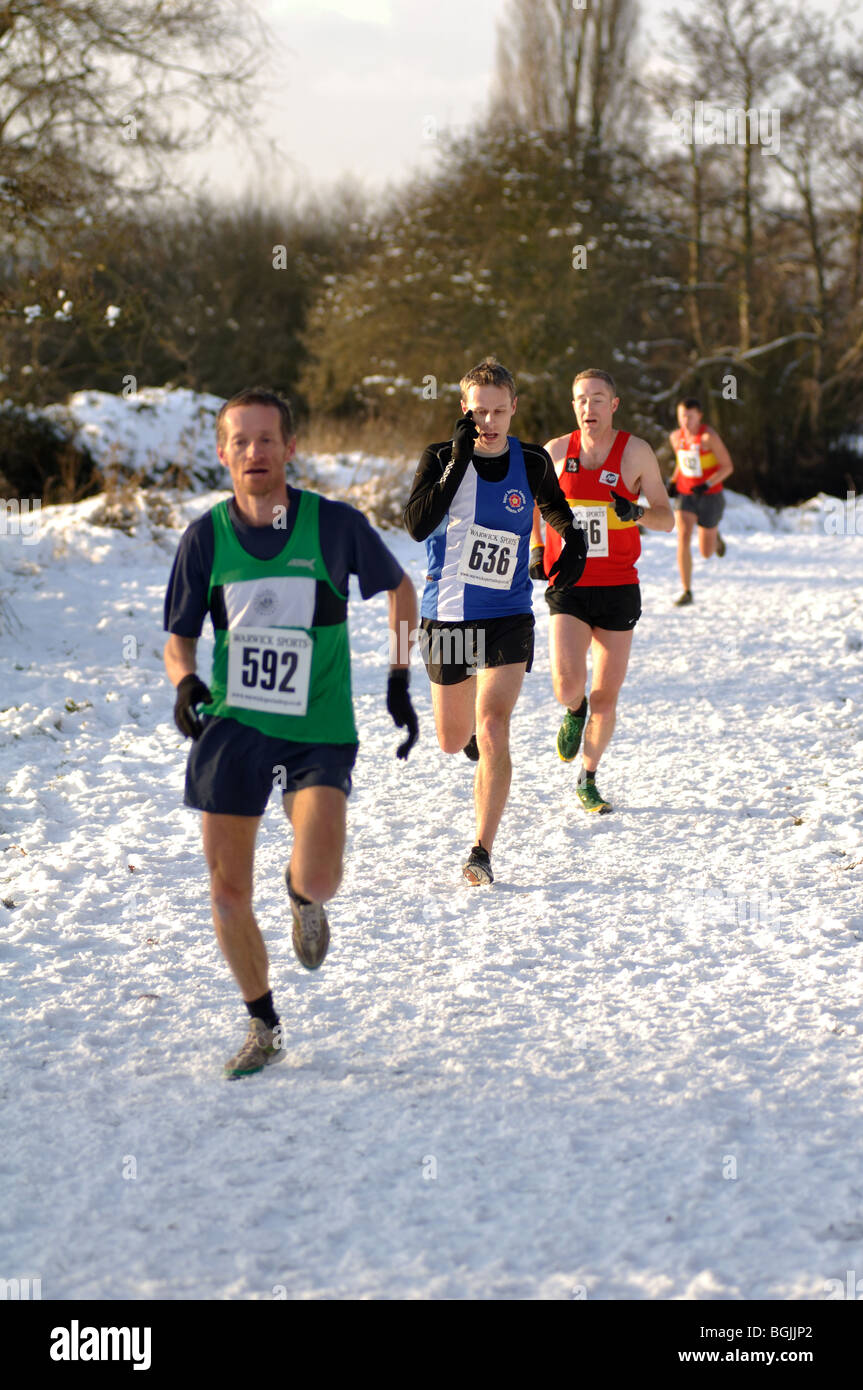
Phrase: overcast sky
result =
(361, 87)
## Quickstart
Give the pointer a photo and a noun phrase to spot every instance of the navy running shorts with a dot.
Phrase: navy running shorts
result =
(232, 767)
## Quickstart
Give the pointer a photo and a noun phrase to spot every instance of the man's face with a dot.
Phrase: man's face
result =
(492, 409)
(594, 405)
(254, 451)
(689, 419)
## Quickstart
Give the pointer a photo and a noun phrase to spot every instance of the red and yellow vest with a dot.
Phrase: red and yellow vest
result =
(613, 546)
(695, 461)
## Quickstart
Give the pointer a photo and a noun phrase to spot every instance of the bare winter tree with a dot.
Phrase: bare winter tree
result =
(95, 95)
(560, 66)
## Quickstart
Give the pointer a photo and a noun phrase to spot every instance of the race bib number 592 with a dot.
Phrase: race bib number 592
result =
(269, 669)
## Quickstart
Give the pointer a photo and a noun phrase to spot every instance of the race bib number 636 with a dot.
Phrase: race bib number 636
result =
(488, 557)
(269, 669)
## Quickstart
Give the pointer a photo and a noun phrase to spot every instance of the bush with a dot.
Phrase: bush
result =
(38, 458)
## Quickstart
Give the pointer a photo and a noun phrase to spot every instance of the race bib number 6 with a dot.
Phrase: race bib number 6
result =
(269, 669)
(488, 558)
(594, 522)
(689, 461)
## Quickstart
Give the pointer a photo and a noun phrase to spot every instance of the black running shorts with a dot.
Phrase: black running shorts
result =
(707, 506)
(454, 651)
(232, 768)
(613, 607)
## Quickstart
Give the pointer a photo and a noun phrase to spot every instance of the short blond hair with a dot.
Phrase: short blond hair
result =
(488, 372)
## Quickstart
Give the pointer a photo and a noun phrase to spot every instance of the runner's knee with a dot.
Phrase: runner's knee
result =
(569, 686)
(492, 735)
(229, 895)
(453, 740)
(603, 701)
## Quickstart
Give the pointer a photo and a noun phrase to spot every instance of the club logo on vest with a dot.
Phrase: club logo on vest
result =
(264, 603)
(514, 500)
(610, 479)
(307, 564)
(571, 465)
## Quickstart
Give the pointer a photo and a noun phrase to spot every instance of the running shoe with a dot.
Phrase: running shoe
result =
(262, 1047)
(720, 545)
(590, 797)
(569, 735)
(477, 870)
(685, 598)
(311, 933)
(471, 750)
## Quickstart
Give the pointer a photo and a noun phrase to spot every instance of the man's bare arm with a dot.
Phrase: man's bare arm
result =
(722, 456)
(180, 657)
(642, 465)
(402, 621)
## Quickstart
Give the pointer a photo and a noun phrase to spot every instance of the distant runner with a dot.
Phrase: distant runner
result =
(472, 503)
(702, 463)
(602, 472)
(271, 568)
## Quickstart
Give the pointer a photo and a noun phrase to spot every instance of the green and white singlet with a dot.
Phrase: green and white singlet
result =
(281, 662)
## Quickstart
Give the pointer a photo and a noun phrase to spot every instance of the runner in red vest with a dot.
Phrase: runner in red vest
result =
(702, 463)
(602, 473)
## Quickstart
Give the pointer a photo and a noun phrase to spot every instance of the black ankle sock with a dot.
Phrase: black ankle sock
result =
(585, 776)
(297, 897)
(581, 712)
(263, 1009)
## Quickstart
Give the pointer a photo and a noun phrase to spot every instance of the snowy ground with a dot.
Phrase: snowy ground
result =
(633, 1068)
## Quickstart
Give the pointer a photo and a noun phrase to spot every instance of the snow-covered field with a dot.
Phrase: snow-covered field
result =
(633, 1068)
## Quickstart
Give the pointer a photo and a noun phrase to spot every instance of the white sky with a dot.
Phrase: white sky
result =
(359, 87)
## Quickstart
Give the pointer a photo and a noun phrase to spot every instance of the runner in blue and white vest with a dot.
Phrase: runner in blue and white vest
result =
(472, 503)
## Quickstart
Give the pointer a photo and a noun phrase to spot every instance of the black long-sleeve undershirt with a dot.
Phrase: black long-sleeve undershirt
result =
(438, 480)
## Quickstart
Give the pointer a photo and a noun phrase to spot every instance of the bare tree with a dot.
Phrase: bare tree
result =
(95, 95)
(558, 64)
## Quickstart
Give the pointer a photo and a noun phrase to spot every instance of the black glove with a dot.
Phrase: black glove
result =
(626, 510)
(401, 709)
(671, 489)
(463, 437)
(190, 692)
(537, 568)
(701, 489)
(569, 565)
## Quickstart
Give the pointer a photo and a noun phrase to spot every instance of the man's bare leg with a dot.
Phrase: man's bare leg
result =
(610, 660)
(497, 691)
(454, 709)
(318, 815)
(568, 643)
(319, 819)
(685, 522)
(229, 848)
(707, 540)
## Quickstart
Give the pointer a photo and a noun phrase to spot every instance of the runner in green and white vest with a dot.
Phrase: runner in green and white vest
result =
(271, 567)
